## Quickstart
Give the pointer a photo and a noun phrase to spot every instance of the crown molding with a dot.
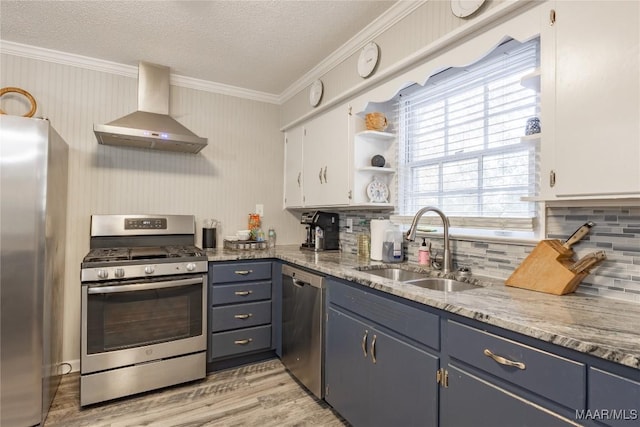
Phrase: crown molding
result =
(85, 62)
(64, 58)
(390, 17)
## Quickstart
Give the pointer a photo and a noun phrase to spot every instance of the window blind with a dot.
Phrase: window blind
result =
(461, 145)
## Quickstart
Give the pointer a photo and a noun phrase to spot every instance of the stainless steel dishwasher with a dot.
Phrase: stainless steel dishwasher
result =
(303, 327)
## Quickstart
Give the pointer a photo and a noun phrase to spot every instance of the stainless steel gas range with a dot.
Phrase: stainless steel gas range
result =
(143, 306)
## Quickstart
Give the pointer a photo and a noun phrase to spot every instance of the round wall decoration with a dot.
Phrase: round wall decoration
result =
(368, 59)
(464, 8)
(315, 93)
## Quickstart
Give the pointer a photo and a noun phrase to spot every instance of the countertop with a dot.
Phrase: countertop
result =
(605, 328)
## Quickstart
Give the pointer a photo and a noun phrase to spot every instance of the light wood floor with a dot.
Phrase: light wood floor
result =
(262, 394)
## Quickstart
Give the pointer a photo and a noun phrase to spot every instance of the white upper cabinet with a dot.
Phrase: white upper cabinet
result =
(325, 169)
(591, 100)
(293, 167)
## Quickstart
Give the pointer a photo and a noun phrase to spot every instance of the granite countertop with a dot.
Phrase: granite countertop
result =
(601, 327)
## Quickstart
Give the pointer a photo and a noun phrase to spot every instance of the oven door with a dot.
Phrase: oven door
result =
(128, 323)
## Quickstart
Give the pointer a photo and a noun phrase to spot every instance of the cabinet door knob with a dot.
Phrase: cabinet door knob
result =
(243, 342)
(325, 174)
(320, 175)
(242, 316)
(243, 272)
(503, 361)
(242, 293)
(364, 343)
(299, 176)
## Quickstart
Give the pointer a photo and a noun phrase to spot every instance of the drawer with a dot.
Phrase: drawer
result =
(556, 378)
(240, 316)
(419, 325)
(240, 341)
(240, 272)
(618, 395)
(235, 293)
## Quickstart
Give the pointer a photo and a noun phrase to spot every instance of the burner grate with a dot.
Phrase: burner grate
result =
(107, 254)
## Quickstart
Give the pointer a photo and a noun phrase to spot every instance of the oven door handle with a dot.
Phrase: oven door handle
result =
(142, 286)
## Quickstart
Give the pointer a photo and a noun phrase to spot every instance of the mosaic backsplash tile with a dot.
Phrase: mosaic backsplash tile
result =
(616, 231)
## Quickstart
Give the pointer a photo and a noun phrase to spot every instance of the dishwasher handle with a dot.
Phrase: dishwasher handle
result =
(299, 283)
(302, 278)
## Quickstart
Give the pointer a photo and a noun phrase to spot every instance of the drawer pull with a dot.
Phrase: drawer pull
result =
(243, 293)
(364, 343)
(243, 272)
(243, 342)
(373, 348)
(501, 360)
(242, 316)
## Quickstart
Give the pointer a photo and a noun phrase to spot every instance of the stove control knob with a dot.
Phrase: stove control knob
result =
(119, 272)
(191, 266)
(103, 274)
(149, 269)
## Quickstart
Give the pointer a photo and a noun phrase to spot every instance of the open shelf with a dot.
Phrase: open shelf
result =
(532, 80)
(377, 135)
(375, 169)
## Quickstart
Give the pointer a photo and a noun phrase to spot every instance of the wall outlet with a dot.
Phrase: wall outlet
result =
(349, 225)
(260, 209)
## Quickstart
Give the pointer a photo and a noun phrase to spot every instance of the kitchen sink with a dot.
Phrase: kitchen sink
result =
(439, 284)
(397, 274)
(422, 280)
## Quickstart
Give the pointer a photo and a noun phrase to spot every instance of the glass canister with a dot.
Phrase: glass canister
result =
(254, 225)
(271, 238)
(364, 245)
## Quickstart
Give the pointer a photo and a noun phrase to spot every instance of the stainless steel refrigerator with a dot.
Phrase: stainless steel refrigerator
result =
(33, 203)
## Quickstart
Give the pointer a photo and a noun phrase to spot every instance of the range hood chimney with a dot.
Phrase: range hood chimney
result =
(151, 126)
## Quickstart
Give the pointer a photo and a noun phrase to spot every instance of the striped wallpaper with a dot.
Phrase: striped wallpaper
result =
(241, 166)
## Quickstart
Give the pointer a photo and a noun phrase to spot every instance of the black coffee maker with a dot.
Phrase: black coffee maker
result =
(323, 232)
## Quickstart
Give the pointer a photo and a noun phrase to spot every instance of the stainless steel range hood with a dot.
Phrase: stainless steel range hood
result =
(151, 126)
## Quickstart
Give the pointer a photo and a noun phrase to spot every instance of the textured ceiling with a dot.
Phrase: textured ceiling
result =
(262, 46)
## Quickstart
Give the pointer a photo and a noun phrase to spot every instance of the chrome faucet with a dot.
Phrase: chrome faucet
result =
(411, 234)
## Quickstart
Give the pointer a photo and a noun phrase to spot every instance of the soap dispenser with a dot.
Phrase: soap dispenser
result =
(424, 257)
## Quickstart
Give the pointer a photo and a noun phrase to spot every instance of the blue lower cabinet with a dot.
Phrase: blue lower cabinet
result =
(241, 310)
(613, 400)
(472, 401)
(374, 379)
(347, 367)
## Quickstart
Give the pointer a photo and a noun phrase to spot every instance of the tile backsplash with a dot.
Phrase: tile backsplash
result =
(616, 231)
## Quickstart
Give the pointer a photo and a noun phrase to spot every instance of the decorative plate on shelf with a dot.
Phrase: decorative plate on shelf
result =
(315, 93)
(464, 8)
(378, 191)
(368, 59)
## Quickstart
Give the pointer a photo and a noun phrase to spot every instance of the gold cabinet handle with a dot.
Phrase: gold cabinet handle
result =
(373, 349)
(243, 293)
(243, 342)
(243, 316)
(243, 272)
(503, 361)
(364, 343)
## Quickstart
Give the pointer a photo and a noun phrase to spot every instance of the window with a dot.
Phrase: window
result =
(461, 145)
